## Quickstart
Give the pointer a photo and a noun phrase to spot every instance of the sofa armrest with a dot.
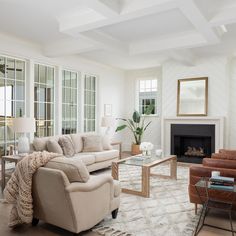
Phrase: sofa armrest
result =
(93, 183)
(219, 163)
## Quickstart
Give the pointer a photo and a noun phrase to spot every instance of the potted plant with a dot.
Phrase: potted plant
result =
(137, 126)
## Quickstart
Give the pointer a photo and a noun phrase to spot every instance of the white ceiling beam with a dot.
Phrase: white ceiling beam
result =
(107, 8)
(106, 42)
(178, 41)
(224, 17)
(68, 47)
(76, 24)
(184, 56)
(194, 15)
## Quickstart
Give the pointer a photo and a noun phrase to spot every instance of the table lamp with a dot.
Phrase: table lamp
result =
(108, 121)
(23, 125)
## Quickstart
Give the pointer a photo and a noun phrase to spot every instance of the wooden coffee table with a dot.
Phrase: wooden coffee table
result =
(146, 164)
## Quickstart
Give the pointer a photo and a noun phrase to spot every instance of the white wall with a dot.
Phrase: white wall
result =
(232, 106)
(111, 80)
(221, 75)
(153, 132)
(216, 69)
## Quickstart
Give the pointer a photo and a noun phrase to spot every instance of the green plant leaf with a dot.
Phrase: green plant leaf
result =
(139, 131)
(121, 119)
(131, 123)
(149, 109)
(147, 125)
(136, 117)
(121, 127)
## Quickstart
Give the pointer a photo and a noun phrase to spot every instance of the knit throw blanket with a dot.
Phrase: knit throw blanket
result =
(18, 190)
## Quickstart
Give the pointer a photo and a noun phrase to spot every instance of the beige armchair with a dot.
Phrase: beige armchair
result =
(73, 206)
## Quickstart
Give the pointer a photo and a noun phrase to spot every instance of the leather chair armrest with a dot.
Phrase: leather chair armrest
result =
(198, 171)
(93, 183)
(219, 163)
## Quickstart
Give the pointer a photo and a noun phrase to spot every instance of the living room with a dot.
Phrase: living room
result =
(82, 68)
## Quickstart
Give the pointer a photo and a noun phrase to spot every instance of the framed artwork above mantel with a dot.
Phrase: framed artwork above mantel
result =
(192, 97)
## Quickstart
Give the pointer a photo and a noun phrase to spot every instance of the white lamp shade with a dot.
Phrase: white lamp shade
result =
(23, 125)
(108, 121)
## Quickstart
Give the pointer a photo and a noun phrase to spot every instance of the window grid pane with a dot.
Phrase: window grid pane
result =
(12, 99)
(89, 103)
(69, 102)
(44, 100)
(148, 95)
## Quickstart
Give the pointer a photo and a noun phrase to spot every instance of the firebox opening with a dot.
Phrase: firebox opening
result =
(191, 143)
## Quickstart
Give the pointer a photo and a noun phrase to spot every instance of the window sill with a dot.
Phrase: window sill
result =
(153, 115)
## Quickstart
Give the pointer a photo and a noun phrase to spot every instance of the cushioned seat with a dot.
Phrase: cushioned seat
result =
(88, 159)
(105, 155)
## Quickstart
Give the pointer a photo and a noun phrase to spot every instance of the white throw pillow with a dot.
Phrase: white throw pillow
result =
(92, 143)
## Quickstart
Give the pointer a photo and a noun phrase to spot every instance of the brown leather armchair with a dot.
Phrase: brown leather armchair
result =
(225, 162)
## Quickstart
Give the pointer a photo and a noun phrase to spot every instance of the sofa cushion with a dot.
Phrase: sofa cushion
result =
(105, 155)
(77, 141)
(106, 142)
(92, 143)
(40, 144)
(53, 146)
(67, 145)
(88, 159)
(75, 170)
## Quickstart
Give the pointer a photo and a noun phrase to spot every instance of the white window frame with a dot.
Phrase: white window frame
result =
(96, 101)
(6, 142)
(78, 105)
(54, 93)
(157, 98)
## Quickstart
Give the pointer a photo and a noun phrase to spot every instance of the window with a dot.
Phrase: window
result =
(89, 103)
(69, 102)
(147, 94)
(44, 100)
(12, 98)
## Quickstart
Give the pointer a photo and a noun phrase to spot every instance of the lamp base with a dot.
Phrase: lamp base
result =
(23, 145)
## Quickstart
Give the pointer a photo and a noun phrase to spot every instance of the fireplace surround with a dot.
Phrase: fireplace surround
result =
(218, 121)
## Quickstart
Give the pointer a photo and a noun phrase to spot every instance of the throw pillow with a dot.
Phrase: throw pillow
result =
(75, 170)
(40, 144)
(92, 143)
(67, 145)
(53, 146)
(77, 141)
(106, 142)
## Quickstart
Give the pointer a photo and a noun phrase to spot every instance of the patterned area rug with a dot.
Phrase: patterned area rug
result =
(167, 211)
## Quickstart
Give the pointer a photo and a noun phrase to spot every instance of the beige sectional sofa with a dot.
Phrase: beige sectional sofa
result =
(94, 160)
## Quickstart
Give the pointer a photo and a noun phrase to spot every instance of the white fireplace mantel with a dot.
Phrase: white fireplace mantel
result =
(166, 129)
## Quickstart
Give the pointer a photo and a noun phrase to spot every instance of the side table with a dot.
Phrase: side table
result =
(5, 159)
(203, 189)
(120, 148)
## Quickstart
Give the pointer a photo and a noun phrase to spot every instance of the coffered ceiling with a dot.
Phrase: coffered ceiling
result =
(127, 34)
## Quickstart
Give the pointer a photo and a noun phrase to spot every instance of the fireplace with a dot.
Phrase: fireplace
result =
(192, 142)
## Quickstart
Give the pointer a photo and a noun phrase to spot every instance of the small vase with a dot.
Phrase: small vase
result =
(144, 153)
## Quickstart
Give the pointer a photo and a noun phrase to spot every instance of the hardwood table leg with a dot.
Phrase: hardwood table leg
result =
(173, 168)
(145, 181)
(115, 170)
(3, 173)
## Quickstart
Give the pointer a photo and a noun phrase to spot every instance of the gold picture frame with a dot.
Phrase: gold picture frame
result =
(192, 97)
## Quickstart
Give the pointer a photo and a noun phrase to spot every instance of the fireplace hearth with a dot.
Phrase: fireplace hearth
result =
(192, 142)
